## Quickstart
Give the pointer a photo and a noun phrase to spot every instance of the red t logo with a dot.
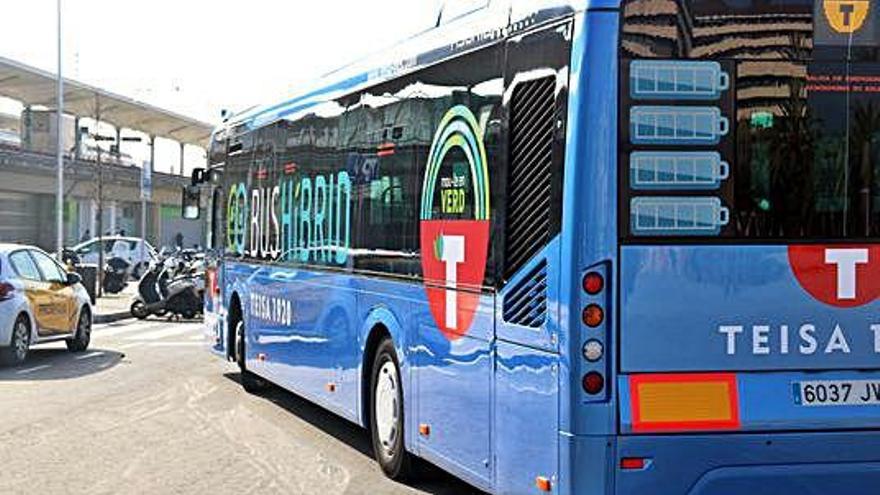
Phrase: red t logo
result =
(846, 261)
(842, 276)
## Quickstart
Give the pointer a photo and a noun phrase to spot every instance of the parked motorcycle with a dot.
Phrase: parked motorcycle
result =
(69, 258)
(170, 287)
(116, 273)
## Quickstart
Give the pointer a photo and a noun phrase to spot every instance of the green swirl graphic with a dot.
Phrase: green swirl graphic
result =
(458, 129)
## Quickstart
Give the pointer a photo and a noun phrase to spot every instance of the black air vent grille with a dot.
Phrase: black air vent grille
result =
(530, 180)
(526, 304)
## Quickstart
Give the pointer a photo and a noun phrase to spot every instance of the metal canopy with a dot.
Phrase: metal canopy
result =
(36, 87)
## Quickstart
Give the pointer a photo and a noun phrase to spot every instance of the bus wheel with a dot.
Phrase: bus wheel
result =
(386, 418)
(251, 383)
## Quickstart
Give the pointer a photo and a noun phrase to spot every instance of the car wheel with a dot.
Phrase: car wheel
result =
(80, 343)
(386, 418)
(139, 310)
(251, 383)
(19, 345)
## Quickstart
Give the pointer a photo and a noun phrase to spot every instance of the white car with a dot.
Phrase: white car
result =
(137, 252)
(39, 302)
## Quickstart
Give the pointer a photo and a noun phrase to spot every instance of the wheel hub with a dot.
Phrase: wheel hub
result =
(85, 327)
(21, 340)
(387, 408)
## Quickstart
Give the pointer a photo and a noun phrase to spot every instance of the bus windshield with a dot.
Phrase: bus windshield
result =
(758, 121)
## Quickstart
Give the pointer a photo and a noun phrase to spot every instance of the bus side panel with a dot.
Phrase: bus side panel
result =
(234, 283)
(302, 333)
(526, 417)
(387, 305)
(454, 389)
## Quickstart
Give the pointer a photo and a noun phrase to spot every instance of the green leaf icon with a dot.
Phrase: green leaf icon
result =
(438, 247)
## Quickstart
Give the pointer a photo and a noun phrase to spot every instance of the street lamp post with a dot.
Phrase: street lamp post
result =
(97, 137)
(59, 114)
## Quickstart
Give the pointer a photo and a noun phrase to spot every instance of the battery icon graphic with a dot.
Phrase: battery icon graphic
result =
(677, 80)
(677, 171)
(685, 216)
(677, 125)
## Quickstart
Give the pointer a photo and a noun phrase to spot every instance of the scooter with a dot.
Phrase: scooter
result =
(162, 293)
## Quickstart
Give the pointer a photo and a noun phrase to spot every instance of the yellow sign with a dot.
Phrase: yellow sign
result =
(846, 16)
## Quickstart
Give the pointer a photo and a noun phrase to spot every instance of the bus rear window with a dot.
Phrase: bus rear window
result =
(762, 132)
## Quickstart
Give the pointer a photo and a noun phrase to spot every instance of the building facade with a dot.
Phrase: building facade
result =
(27, 202)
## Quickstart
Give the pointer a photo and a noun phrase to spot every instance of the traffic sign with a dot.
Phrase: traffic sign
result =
(147, 182)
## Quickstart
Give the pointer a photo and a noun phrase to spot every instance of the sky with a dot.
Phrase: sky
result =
(198, 57)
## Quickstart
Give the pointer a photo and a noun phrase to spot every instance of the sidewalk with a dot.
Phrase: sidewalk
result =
(115, 307)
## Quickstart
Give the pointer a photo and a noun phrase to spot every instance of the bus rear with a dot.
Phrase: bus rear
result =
(749, 268)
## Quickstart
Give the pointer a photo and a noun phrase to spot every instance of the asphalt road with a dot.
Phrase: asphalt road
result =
(148, 410)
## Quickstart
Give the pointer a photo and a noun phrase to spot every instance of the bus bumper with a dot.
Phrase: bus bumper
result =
(750, 464)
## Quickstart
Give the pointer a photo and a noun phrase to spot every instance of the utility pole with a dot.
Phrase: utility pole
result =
(146, 195)
(100, 196)
(59, 114)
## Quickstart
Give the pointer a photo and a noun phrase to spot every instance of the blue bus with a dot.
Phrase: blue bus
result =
(574, 247)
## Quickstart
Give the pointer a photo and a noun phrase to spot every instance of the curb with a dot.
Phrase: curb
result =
(101, 319)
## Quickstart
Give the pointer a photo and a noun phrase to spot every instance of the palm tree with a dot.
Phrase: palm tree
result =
(866, 125)
(793, 142)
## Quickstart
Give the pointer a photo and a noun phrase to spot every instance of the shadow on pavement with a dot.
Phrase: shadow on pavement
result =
(60, 364)
(433, 480)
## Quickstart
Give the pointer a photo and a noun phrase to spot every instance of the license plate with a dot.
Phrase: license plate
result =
(837, 393)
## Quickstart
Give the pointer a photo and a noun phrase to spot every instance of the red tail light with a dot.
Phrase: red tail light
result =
(593, 283)
(6, 290)
(213, 285)
(593, 315)
(632, 463)
(593, 383)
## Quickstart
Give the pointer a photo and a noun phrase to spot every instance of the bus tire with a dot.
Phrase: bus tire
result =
(251, 383)
(386, 414)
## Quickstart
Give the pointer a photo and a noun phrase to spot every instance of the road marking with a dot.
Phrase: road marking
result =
(89, 356)
(137, 327)
(197, 337)
(129, 346)
(164, 333)
(175, 344)
(33, 370)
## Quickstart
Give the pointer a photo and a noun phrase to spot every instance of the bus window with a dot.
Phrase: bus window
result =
(218, 205)
(725, 138)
